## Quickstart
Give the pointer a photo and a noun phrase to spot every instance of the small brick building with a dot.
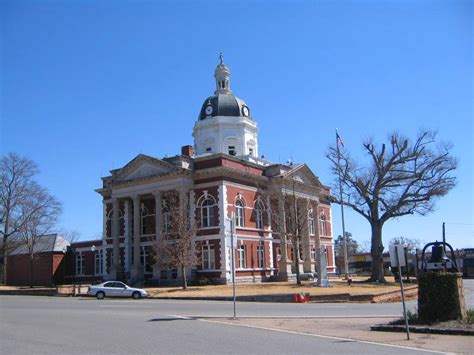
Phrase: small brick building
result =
(49, 262)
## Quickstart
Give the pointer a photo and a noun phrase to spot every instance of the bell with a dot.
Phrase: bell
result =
(437, 254)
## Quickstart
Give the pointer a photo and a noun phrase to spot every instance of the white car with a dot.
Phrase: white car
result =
(115, 289)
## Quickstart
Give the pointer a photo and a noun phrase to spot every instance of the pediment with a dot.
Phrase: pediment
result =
(303, 174)
(141, 167)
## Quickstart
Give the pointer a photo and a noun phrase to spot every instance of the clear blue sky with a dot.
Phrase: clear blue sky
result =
(88, 85)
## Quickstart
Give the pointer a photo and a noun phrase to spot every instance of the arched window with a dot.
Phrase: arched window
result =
(311, 222)
(207, 212)
(324, 227)
(258, 208)
(109, 223)
(166, 217)
(239, 213)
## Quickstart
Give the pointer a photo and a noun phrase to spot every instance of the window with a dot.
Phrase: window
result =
(80, 264)
(147, 221)
(313, 254)
(208, 257)
(324, 227)
(166, 218)
(232, 150)
(239, 213)
(250, 151)
(207, 212)
(241, 253)
(261, 255)
(145, 258)
(98, 262)
(311, 222)
(258, 214)
(208, 150)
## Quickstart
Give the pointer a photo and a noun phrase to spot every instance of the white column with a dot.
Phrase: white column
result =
(284, 268)
(158, 229)
(115, 271)
(225, 247)
(270, 235)
(317, 241)
(306, 241)
(137, 268)
(128, 235)
(104, 238)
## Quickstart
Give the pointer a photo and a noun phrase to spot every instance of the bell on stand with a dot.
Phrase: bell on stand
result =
(438, 255)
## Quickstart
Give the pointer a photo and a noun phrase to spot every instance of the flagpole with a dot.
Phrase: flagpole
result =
(344, 237)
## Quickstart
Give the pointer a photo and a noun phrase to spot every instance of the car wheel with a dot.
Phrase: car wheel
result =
(136, 295)
(100, 295)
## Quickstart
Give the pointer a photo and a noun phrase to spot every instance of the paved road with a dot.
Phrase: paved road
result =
(43, 325)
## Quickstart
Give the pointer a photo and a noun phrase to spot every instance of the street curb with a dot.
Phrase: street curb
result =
(32, 292)
(421, 329)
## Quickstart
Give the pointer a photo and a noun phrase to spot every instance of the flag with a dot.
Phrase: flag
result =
(339, 139)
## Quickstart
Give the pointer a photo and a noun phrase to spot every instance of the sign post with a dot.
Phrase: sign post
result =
(397, 259)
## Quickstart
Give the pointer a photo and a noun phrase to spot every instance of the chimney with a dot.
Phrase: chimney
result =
(187, 150)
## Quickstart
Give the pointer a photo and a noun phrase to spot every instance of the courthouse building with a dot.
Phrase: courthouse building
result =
(222, 175)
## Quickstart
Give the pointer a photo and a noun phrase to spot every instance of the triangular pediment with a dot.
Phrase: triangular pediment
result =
(302, 173)
(143, 166)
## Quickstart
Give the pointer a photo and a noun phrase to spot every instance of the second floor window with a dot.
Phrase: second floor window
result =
(207, 213)
(324, 227)
(239, 213)
(311, 222)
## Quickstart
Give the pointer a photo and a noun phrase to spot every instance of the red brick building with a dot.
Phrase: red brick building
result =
(222, 175)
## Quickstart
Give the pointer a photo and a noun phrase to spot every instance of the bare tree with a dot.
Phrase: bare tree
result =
(402, 178)
(296, 217)
(410, 243)
(43, 211)
(175, 250)
(72, 235)
(16, 187)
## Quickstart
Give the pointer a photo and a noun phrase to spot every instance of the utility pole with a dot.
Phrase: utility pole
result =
(344, 237)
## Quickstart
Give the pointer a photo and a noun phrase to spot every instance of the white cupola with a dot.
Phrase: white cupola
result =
(225, 123)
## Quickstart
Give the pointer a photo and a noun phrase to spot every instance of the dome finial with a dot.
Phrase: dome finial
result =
(222, 75)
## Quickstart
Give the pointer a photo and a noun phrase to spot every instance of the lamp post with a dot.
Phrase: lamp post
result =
(93, 262)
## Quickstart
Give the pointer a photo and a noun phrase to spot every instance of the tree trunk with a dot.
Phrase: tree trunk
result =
(31, 272)
(185, 281)
(377, 253)
(296, 256)
(4, 245)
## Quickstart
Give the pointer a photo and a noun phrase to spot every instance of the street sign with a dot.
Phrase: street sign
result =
(395, 249)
